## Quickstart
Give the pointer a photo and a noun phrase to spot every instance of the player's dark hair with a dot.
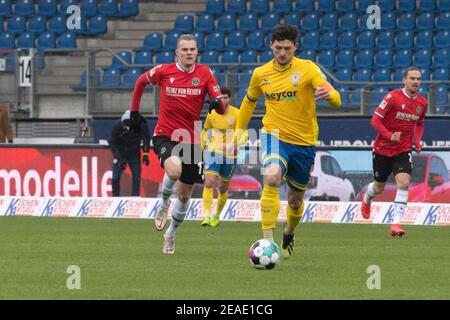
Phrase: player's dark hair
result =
(226, 91)
(405, 74)
(284, 32)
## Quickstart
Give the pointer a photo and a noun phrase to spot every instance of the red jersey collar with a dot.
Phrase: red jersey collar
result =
(408, 96)
(182, 70)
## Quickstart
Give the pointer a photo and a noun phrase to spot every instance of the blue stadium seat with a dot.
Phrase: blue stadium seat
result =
(381, 75)
(310, 22)
(308, 55)
(383, 58)
(292, 19)
(67, 40)
(406, 5)
(143, 57)
(184, 23)
(16, 24)
(406, 21)
(46, 40)
(442, 58)
(344, 58)
(128, 8)
(282, 6)
(354, 98)
(326, 58)
(377, 95)
(344, 96)
(310, 40)
(388, 20)
(236, 40)
(130, 76)
(219, 73)
(259, 6)
(424, 40)
(386, 5)
(304, 6)
(215, 41)
(57, 24)
(404, 40)
(365, 39)
(270, 20)
(248, 22)
(209, 56)
(397, 75)
(362, 5)
(98, 24)
(348, 21)
(425, 21)
(439, 74)
(108, 7)
(385, 40)
(362, 75)
(237, 6)
(364, 58)
(346, 40)
(227, 22)
(441, 95)
(402, 58)
(5, 8)
(346, 5)
(328, 22)
(427, 5)
(422, 58)
(1, 24)
(124, 55)
(229, 56)
(83, 79)
(244, 77)
(47, 7)
(24, 8)
(200, 38)
(164, 57)
(328, 40)
(326, 6)
(7, 40)
(425, 73)
(255, 41)
(444, 5)
(344, 74)
(443, 21)
(88, 7)
(266, 56)
(26, 40)
(215, 7)
(153, 42)
(10, 63)
(442, 39)
(111, 78)
(64, 4)
(248, 56)
(362, 22)
(170, 43)
(240, 95)
(205, 23)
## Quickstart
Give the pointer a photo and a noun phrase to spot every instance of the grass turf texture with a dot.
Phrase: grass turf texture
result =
(122, 259)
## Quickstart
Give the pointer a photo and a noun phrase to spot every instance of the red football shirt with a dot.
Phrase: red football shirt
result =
(182, 95)
(399, 112)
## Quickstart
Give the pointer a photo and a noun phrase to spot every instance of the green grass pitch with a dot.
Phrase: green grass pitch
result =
(122, 259)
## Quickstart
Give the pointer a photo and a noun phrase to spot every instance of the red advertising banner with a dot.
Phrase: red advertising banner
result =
(68, 172)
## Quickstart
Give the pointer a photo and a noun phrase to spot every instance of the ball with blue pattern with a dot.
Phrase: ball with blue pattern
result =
(264, 254)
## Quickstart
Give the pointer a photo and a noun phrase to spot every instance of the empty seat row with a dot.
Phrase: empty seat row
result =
(46, 40)
(386, 75)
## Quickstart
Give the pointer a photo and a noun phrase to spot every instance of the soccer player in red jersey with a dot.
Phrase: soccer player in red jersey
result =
(177, 138)
(399, 122)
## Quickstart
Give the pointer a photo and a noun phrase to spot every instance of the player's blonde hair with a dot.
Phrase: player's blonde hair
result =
(187, 37)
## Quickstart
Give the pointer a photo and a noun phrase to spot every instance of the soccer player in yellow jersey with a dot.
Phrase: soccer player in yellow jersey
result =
(290, 131)
(219, 165)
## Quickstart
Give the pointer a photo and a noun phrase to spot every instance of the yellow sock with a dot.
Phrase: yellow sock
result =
(221, 200)
(268, 234)
(293, 217)
(208, 197)
(270, 207)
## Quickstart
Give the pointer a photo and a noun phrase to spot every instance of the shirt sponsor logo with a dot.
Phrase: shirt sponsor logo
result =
(285, 95)
(406, 116)
(183, 92)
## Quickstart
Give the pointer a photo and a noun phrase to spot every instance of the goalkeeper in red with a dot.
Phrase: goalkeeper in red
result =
(290, 131)
(399, 122)
(183, 86)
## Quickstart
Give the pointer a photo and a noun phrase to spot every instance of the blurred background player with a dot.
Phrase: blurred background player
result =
(399, 122)
(126, 149)
(290, 130)
(219, 165)
(177, 135)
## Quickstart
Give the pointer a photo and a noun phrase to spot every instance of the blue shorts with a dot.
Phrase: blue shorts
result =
(296, 161)
(219, 165)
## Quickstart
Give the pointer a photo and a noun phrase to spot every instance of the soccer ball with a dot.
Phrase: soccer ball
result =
(264, 254)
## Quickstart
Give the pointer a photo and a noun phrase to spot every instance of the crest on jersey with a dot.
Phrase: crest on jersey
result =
(295, 78)
(265, 82)
(230, 121)
(419, 109)
(195, 81)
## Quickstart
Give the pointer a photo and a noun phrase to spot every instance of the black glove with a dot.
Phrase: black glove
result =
(135, 120)
(145, 159)
(214, 104)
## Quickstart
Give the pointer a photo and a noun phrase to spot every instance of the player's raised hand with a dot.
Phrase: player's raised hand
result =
(322, 94)
(396, 136)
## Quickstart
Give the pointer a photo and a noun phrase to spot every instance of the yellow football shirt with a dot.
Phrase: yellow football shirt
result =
(289, 99)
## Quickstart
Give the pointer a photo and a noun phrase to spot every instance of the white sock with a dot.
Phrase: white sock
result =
(167, 190)
(178, 214)
(370, 194)
(399, 205)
